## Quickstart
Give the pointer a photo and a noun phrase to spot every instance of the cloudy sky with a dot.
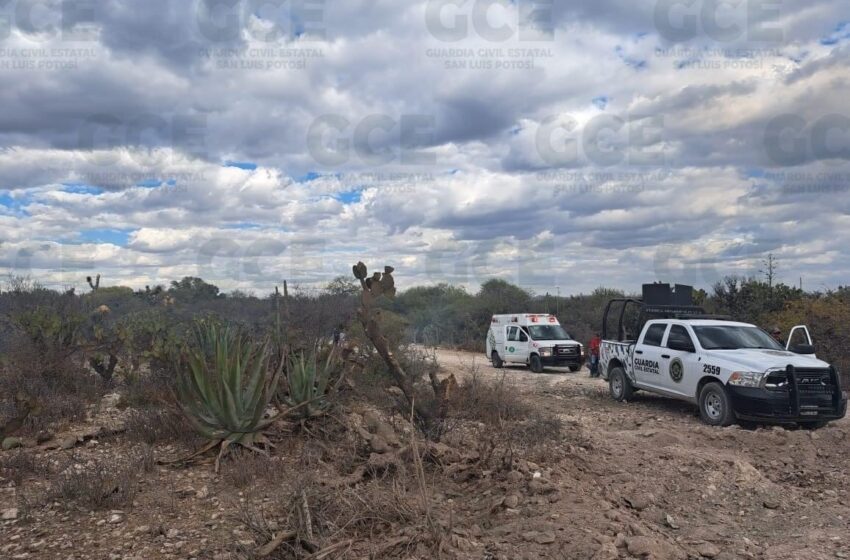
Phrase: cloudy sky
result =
(560, 145)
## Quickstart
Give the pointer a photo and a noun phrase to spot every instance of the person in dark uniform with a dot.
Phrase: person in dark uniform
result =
(776, 333)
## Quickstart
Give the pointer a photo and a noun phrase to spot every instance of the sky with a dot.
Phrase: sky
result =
(558, 145)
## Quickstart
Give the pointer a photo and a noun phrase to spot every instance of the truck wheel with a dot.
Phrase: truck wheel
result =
(535, 364)
(715, 409)
(619, 385)
(817, 424)
(497, 361)
(575, 368)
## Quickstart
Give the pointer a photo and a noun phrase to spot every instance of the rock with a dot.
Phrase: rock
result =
(540, 486)
(68, 442)
(511, 501)
(606, 552)
(708, 550)
(620, 540)
(514, 476)
(539, 537)
(771, 504)
(648, 547)
(12, 443)
(9, 514)
(546, 537)
(203, 493)
(670, 521)
(639, 502)
(115, 518)
(172, 534)
(43, 437)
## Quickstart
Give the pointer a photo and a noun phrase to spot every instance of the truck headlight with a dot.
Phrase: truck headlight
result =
(545, 351)
(746, 378)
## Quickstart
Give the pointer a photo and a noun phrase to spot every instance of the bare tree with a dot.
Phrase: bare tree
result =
(769, 267)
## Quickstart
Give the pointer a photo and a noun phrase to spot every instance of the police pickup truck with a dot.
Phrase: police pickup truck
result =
(730, 370)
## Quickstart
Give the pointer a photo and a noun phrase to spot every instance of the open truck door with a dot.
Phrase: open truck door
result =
(800, 341)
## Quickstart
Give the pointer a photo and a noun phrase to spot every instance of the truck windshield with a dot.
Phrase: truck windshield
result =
(734, 337)
(548, 332)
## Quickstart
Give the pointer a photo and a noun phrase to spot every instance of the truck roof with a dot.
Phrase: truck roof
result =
(703, 322)
(524, 318)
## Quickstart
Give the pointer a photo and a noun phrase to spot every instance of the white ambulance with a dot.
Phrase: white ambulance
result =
(534, 339)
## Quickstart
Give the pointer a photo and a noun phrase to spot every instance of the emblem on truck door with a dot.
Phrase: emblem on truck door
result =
(677, 370)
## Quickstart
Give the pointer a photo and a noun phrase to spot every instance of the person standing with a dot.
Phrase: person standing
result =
(595, 343)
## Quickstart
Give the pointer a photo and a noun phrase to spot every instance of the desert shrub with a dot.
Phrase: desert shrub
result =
(490, 402)
(105, 483)
(18, 465)
(497, 421)
(158, 425)
(243, 469)
(60, 389)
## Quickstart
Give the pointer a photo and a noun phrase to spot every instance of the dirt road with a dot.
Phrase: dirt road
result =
(647, 478)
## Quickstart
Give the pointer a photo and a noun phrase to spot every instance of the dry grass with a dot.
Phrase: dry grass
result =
(107, 483)
(19, 465)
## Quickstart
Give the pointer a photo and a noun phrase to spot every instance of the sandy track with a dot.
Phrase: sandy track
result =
(769, 492)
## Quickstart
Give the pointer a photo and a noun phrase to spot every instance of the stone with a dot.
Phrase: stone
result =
(115, 518)
(68, 442)
(511, 501)
(12, 443)
(639, 502)
(43, 437)
(771, 504)
(9, 514)
(648, 547)
(708, 550)
(545, 537)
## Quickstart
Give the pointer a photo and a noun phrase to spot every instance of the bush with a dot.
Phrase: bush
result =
(107, 483)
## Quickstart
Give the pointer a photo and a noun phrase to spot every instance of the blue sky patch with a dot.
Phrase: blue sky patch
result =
(307, 177)
(81, 188)
(841, 33)
(601, 101)
(246, 165)
(348, 197)
(118, 237)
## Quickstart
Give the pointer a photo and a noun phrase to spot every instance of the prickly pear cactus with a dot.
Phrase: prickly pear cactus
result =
(377, 285)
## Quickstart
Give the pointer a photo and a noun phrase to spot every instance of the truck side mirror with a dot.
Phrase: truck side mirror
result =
(803, 349)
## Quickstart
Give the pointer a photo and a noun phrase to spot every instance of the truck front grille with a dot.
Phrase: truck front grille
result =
(570, 351)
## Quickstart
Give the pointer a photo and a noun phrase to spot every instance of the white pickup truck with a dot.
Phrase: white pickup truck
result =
(730, 370)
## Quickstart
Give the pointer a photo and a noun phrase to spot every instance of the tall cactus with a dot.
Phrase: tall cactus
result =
(94, 285)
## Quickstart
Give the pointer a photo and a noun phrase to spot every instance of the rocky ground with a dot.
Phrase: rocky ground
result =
(639, 480)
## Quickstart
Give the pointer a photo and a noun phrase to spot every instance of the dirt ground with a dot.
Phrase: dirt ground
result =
(651, 465)
(643, 479)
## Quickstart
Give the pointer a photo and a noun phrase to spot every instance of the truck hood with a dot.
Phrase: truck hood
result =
(757, 359)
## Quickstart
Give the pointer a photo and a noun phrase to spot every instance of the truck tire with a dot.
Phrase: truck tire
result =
(535, 364)
(715, 408)
(815, 425)
(619, 385)
(497, 361)
(575, 368)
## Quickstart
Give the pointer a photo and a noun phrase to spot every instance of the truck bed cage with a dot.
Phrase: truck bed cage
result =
(659, 301)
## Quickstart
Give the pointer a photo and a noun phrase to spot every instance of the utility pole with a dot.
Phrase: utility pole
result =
(558, 301)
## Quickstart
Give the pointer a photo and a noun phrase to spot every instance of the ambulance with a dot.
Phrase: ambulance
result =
(534, 339)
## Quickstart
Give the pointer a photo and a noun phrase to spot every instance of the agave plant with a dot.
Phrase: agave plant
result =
(224, 387)
(308, 384)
